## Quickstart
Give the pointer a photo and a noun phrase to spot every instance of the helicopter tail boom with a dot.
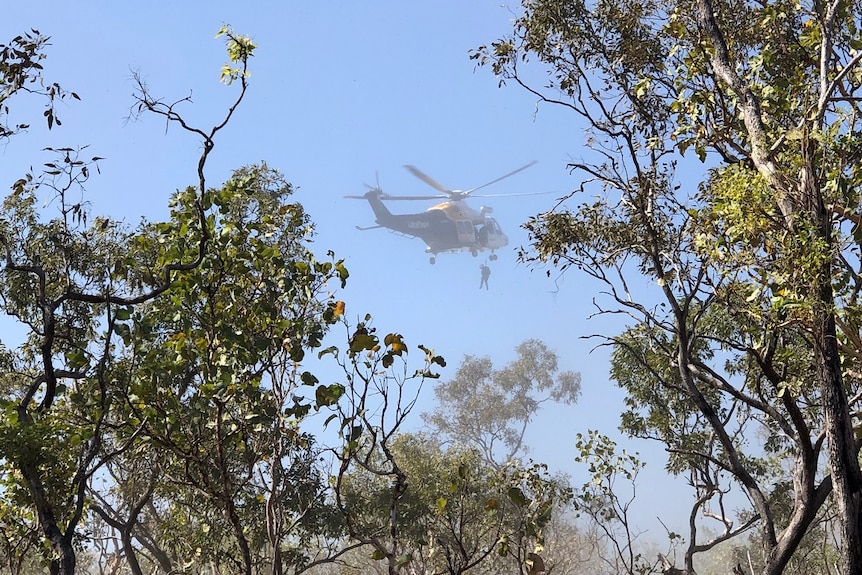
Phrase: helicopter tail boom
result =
(381, 212)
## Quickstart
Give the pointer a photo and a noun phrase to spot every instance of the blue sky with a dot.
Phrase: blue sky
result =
(343, 93)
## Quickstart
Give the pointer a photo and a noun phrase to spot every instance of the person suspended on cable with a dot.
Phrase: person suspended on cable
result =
(486, 273)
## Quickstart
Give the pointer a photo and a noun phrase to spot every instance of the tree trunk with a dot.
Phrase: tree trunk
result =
(277, 567)
(842, 450)
(65, 563)
(241, 539)
(61, 544)
(843, 461)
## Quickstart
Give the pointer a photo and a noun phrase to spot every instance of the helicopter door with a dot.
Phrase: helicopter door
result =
(466, 231)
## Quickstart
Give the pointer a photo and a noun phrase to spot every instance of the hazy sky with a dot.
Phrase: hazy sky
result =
(343, 93)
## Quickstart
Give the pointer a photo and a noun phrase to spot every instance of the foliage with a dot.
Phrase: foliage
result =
(77, 285)
(370, 409)
(752, 326)
(458, 513)
(419, 507)
(606, 506)
(214, 400)
(155, 412)
(490, 409)
(21, 72)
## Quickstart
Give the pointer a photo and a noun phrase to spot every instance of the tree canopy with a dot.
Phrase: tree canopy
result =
(752, 327)
(489, 409)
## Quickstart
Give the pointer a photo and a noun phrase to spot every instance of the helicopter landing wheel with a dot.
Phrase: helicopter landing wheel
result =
(433, 260)
(493, 257)
(474, 252)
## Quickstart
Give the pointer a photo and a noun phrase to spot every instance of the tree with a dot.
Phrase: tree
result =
(72, 283)
(753, 325)
(490, 409)
(605, 501)
(20, 74)
(214, 398)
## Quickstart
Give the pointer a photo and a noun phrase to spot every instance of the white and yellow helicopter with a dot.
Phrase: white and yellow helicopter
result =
(451, 226)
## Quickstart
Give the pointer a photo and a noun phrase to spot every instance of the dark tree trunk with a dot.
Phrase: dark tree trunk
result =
(842, 450)
(241, 540)
(277, 567)
(843, 461)
(66, 560)
(60, 543)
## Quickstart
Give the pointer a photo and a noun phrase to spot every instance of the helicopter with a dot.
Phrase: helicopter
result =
(451, 226)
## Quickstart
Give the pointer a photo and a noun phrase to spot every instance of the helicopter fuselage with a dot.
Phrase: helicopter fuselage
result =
(451, 226)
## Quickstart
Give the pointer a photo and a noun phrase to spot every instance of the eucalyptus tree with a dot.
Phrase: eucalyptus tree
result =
(752, 325)
(490, 409)
(71, 282)
(215, 400)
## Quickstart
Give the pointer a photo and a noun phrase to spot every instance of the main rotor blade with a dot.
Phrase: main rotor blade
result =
(471, 190)
(513, 195)
(388, 197)
(428, 180)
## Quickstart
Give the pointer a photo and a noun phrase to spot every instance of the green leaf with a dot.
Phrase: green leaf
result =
(517, 497)
(362, 341)
(403, 560)
(124, 332)
(463, 470)
(77, 359)
(503, 548)
(355, 433)
(327, 395)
